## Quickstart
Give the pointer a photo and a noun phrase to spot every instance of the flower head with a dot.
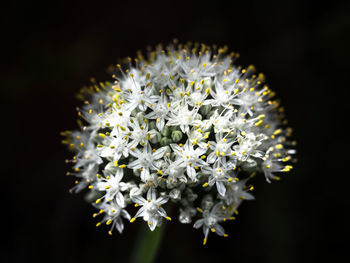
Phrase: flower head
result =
(184, 125)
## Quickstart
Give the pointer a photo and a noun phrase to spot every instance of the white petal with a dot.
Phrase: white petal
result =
(219, 230)
(151, 194)
(198, 223)
(159, 153)
(120, 199)
(221, 188)
(134, 165)
(191, 172)
(211, 157)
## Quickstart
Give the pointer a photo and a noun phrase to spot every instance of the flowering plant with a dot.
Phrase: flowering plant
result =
(183, 125)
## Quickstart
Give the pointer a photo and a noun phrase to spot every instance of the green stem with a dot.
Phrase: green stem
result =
(147, 245)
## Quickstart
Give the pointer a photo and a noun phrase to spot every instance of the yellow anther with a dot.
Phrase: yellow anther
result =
(192, 83)
(203, 157)
(205, 185)
(115, 163)
(204, 65)
(122, 166)
(222, 154)
(90, 187)
(98, 224)
(136, 205)
(212, 230)
(90, 111)
(259, 123)
(204, 241)
(98, 201)
(168, 218)
(102, 135)
(268, 166)
(199, 210)
(251, 188)
(132, 220)
(279, 146)
(278, 131)
(109, 222)
(160, 172)
(207, 90)
(225, 235)
(148, 76)
(110, 232)
(229, 179)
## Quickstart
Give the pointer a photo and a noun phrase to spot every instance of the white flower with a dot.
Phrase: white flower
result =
(220, 148)
(145, 159)
(183, 117)
(210, 222)
(151, 209)
(139, 134)
(111, 185)
(218, 174)
(114, 212)
(236, 192)
(160, 111)
(222, 121)
(114, 146)
(189, 157)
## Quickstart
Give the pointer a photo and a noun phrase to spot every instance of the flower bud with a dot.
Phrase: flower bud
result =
(156, 138)
(166, 131)
(176, 136)
(205, 109)
(165, 141)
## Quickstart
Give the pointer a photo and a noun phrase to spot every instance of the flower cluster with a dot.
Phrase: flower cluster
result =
(182, 126)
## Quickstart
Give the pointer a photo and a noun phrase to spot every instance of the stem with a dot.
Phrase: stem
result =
(147, 245)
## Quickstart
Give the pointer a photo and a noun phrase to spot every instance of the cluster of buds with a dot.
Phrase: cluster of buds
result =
(183, 126)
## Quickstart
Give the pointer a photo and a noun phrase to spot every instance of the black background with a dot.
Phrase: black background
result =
(49, 50)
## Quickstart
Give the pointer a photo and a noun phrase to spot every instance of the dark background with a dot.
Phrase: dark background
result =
(49, 50)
